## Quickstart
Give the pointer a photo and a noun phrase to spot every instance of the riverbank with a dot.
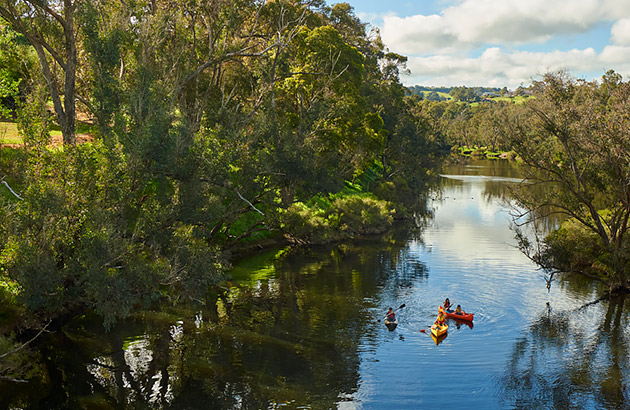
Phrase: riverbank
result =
(482, 152)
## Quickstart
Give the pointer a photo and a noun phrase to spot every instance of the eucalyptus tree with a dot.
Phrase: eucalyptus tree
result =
(50, 28)
(574, 137)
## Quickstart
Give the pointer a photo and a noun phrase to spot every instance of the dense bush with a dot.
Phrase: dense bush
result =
(337, 217)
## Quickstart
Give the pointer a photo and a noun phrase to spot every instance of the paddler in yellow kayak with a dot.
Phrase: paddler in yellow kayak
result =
(440, 319)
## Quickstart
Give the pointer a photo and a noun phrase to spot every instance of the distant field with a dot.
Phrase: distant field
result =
(515, 100)
(520, 99)
(441, 94)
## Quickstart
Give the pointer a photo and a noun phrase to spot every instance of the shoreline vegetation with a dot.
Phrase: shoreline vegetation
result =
(483, 152)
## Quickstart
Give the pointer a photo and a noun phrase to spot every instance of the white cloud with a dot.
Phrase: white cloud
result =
(441, 46)
(620, 32)
(497, 68)
(471, 23)
(617, 56)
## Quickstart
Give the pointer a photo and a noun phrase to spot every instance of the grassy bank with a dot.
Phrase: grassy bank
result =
(482, 152)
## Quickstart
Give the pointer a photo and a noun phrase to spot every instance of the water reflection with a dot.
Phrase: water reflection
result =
(282, 336)
(438, 339)
(571, 359)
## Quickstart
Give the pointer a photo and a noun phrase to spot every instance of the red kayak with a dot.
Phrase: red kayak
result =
(452, 314)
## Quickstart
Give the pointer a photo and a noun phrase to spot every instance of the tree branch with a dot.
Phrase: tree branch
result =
(2, 356)
(10, 189)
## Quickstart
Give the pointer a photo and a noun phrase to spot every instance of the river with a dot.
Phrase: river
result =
(303, 328)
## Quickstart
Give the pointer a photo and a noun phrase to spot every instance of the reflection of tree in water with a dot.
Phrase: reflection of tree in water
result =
(571, 360)
(289, 338)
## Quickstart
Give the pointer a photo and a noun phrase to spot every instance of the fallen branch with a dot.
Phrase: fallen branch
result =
(10, 189)
(11, 379)
(2, 356)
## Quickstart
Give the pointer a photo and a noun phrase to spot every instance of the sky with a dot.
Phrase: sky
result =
(497, 43)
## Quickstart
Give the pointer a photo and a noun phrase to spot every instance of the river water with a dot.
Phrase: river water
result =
(303, 328)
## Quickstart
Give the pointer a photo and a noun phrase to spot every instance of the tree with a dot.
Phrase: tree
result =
(577, 142)
(50, 28)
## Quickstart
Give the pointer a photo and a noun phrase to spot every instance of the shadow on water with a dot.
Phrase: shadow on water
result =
(571, 360)
(288, 337)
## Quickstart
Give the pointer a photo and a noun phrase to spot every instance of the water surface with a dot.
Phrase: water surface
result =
(303, 328)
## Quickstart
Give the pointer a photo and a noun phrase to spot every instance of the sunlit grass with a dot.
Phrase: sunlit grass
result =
(444, 95)
(9, 133)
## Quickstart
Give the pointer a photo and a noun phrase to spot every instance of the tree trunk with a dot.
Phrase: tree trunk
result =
(35, 31)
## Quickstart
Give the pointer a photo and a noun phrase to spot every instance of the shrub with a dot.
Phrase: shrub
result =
(337, 217)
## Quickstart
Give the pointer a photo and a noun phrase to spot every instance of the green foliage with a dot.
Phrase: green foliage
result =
(16, 64)
(575, 248)
(339, 216)
(104, 49)
(34, 121)
(573, 137)
(564, 243)
(8, 90)
(89, 240)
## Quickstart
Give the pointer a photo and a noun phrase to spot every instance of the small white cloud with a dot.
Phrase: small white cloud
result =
(375, 19)
(418, 34)
(620, 32)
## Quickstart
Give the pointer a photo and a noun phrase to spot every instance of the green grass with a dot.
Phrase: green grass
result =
(9, 133)
(440, 93)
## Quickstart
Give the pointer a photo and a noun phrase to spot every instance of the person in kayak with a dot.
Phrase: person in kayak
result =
(447, 304)
(390, 316)
(458, 311)
(440, 319)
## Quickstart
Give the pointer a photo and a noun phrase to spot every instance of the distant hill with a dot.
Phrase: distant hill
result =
(444, 93)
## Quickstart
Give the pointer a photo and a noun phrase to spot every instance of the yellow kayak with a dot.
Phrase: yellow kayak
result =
(437, 330)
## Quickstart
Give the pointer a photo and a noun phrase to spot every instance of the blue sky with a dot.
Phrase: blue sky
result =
(502, 42)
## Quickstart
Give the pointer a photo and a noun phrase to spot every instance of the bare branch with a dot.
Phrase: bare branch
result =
(10, 189)
(2, 356)
(250, 204)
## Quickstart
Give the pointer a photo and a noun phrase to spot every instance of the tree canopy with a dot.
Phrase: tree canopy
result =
(574, 137)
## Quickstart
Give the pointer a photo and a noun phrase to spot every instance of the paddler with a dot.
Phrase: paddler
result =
(440, 319)
(390, 316)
